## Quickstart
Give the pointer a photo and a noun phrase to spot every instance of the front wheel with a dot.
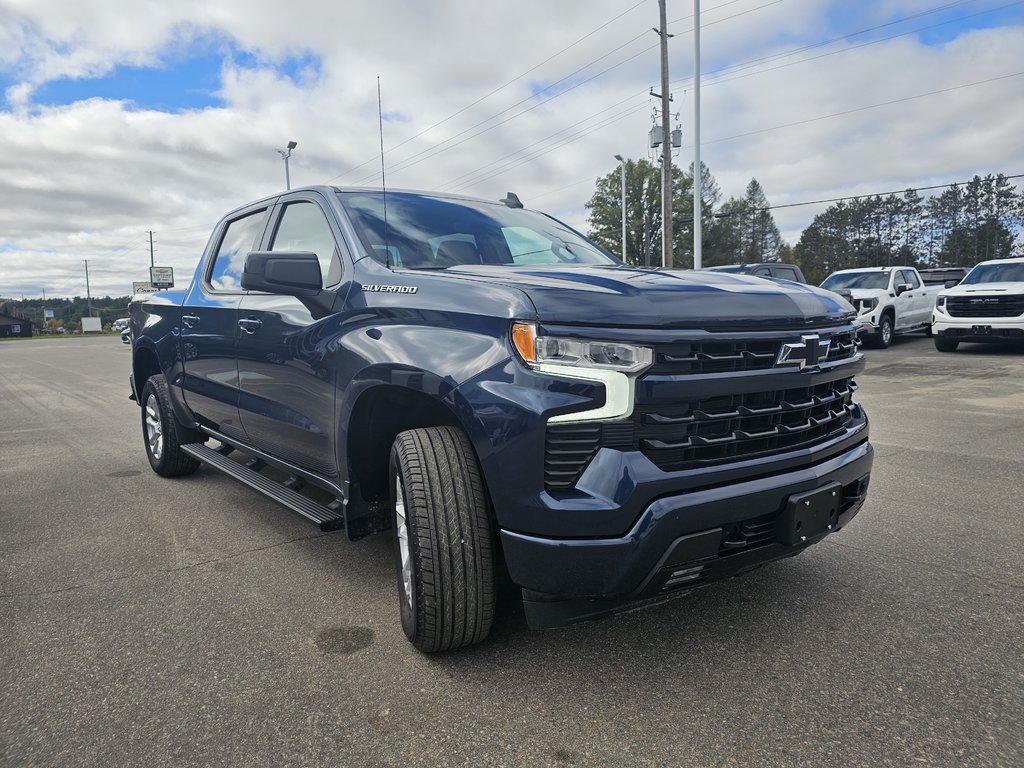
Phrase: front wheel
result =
(884, 336)
(945, 345)
(161, 432)
(444, 549)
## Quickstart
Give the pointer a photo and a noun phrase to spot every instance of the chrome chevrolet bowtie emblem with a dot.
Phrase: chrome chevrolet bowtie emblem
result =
(807, 353)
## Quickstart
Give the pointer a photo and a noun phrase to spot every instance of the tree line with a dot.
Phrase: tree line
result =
(67, 313)
(964, 224)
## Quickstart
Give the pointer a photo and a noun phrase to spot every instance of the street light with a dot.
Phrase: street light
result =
(286, 154)
(622, 168)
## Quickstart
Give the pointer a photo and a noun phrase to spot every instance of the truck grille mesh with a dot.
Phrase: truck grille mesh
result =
(705, 432)
(985, 306)
(730, 356)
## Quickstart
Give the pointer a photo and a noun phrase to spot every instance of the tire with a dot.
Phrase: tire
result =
(161, 433)
(444, 548)
(885, 332)
(945, 345)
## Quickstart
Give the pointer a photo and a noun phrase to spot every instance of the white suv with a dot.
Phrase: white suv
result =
(987, 306)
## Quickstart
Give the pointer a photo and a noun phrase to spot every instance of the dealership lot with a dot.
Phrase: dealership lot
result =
(158, 622)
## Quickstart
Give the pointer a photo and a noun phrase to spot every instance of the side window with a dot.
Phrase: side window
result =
(303, 227)
(910, 279)
(239, 238)
(786, 273)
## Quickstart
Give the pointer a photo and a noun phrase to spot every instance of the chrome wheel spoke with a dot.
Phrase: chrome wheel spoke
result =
(404, 552)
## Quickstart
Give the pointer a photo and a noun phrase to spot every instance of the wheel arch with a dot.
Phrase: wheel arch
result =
(378, 414)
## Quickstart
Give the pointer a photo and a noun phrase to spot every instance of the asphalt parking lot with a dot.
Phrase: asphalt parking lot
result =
(152, 622)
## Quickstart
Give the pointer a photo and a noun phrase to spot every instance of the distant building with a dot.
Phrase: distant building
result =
(11, 325)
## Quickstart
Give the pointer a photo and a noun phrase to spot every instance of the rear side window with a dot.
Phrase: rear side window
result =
(239, 239)
(304, 227)
(786, 273)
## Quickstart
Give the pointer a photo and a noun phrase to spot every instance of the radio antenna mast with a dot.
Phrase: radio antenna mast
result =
(383, 183)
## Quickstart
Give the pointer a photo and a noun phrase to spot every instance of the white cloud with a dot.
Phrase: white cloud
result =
(87, 180)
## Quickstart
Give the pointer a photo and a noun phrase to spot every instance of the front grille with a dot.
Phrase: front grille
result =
(703, 432)
(985, 306)
(731, 356)
(733, 427)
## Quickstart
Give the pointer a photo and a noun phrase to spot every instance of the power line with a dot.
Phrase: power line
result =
(440, 148)
(862, 109)
(715, 82)
(496, 90)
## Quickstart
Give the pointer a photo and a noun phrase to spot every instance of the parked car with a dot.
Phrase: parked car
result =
(889, 300)
(765, 269)
(120, 325)
(944, 276)
(500, 392)
(987, 306)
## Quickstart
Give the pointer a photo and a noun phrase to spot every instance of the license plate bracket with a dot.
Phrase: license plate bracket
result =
(810, 514)
(981, 330)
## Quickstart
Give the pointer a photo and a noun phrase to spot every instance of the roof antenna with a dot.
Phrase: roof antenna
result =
(383, 184)
(511, 200)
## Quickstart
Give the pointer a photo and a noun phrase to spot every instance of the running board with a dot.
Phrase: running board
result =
(326, 518)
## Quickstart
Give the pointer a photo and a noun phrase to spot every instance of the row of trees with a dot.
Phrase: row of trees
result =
(740, 229)
(66, 312)
(963, 225)
(966, 223)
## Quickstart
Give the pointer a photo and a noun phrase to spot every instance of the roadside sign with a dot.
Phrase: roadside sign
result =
(161, 277)
(143, 288)
(91, 325)
(47, 314)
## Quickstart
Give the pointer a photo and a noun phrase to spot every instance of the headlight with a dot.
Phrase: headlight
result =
(611, 355)
(866, 305)
(940, 302)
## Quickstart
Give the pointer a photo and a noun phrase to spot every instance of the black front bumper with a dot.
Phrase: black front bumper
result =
(680, 542)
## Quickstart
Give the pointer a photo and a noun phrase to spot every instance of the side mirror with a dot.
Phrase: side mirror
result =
(901, 288)
(289, 273)
(952, 283)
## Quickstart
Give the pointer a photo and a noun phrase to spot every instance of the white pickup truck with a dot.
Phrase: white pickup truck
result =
(987, 306)
(889, 300)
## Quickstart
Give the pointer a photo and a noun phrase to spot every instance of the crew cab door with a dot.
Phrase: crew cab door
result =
(286, 371)
(209, 323)
(915, 304)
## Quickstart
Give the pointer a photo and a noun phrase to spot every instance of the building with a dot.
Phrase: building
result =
(11, 325)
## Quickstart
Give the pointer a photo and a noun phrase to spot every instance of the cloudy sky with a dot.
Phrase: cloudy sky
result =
(123, 116)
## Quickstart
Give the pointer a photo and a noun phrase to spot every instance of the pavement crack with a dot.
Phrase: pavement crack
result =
(160, 571)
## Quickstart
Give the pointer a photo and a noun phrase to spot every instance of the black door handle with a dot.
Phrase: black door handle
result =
(189, 320)
(250, 325)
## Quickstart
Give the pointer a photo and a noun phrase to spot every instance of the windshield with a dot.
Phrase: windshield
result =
(436, 233)
(867, 280)
(995, 273)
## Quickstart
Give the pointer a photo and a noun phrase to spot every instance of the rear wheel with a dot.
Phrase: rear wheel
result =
(945, 345)
(162, 434)
(444, 550)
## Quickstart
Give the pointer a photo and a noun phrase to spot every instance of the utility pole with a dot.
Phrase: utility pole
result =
(88, 296)
(698, 176)
(150, 247)
(666, 144)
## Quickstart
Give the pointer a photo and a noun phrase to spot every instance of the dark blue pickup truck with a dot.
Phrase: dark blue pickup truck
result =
(504, 395)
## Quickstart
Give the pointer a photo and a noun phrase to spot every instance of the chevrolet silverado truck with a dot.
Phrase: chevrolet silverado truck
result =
(889, 300)
(987, 306)
(505, 397)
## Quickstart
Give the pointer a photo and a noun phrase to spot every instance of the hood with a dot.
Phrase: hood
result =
(986, 288)
(868, 293)
(624, 296)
